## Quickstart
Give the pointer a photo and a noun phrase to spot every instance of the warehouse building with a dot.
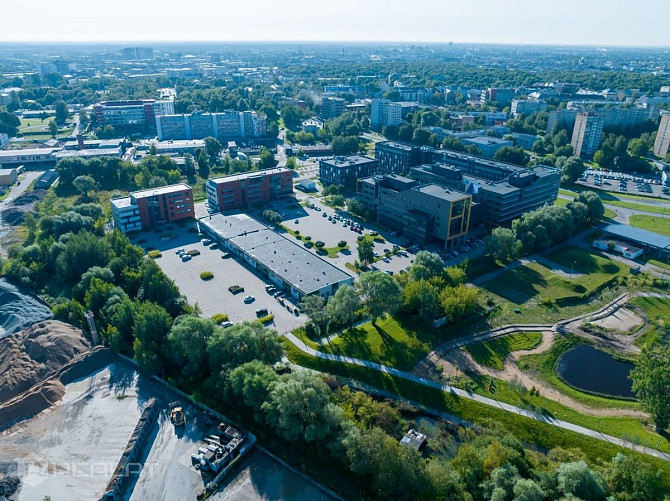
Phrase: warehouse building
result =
(282, 261)
(653, 244)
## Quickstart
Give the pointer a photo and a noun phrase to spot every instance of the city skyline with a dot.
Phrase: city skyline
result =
(597, 22)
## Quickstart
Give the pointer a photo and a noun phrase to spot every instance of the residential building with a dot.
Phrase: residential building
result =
(527, 106)
(586, 134)
(417, 94)
(561, 119)
(225, 126)
(662, 143)
(488, 145)
(424, 213)
(144, 210)
(384, 113)
(282, 261)
(137, 114)
(345, 171)
(396, 158)
(332, 107)
(497, 95)
(248, 189)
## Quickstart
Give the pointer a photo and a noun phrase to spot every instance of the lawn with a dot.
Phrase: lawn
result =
(543, 435)
(492, 353)
(652, 223)
(657, 310)
(620, 200)
(34, 128)
(584, 262)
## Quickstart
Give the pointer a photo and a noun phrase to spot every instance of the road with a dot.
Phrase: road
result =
(19, 190)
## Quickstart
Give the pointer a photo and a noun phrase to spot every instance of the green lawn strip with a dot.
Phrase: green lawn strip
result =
(541, 434)
(661, 264)
(585, 262)
(651, 223)
(619, 199)
(482, 265)
(627, 428)
(544, 366)
(657, 311)
(492, 353)
(654, 209)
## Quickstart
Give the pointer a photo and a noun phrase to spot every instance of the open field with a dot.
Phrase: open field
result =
(493, 353)
(652, 223)
(657, 311)
(626, 201)
(35, 128)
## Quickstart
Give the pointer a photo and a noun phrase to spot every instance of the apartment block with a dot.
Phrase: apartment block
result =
(423, 212)
(131, 113)
(527, 106)
(248, 189)
(497, 95)
(586, 134)
(662, 143)
(396, 158)
(384, 113)
(225, 126)
(144, 210)
(332, 107)
(345, 171)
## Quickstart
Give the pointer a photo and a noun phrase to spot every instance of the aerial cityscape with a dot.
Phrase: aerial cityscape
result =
(334, 264)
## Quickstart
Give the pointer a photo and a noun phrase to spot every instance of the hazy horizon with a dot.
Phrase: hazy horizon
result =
(571, 22)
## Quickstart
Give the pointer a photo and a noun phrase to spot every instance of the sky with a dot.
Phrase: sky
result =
(588, 22)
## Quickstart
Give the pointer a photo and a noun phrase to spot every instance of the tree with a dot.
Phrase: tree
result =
(651, 383)
(502, 244)
(272, 217)
(299, 407)
(187, 346)
(430, 261)
(84, 185)
(314, 306)
(53, 128)
(243, 342)
(152, 324)
(344, 145)
(380, 294)
(61, 112)
(578, 479)
(251, 382)
(572, 168)
(459, 301)
(9, 123)
(212, 148)
(526, 489)
(267, 159)
(630, 479)
(421, 137)
(596, 209)
(203, 167)
(355, 207)
(366, 251)
(82, 250)
(421, 296)
(512, 155)
(291, 117)
(343, 305)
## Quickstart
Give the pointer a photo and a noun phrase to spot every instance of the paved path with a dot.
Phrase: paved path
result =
(604, 311)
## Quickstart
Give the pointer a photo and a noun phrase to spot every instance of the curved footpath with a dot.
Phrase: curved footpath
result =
(606, 310)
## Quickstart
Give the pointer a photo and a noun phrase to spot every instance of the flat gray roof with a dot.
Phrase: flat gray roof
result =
(160, 191)
(437, 191)
(639, 235)
(291, 262)
(347, 161)
(245, 175)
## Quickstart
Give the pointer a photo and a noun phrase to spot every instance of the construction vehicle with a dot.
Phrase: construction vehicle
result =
(177, 414)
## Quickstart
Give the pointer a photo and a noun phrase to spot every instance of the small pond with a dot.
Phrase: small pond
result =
(590, 369)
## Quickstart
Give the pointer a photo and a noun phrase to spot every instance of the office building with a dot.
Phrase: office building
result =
(144, 210)
(273, 256)
(586, 134)
(137, 53)
(396, 158)
(345, 171)
(423, 213)
(225, 126)
(488, 145)
(136, 114)
(527, 106)
(662, 143)
(501, 192)
(497, 95)
(332, 107)
(384, 113)
(249, 189)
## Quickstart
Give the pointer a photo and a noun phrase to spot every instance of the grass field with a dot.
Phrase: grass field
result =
(543, 435)
(492, 353)
(652, 223)
(624, 201)
(34, 128)
(657, 311)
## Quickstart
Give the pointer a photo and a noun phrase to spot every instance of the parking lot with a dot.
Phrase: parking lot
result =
(624, 183)
(213, 296)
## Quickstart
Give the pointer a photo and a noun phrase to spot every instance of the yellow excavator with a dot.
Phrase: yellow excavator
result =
(177, 414)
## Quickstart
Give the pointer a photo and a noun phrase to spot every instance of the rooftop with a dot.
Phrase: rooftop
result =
(348, 160)
(245, 175)
(487, 140)
(394, 144)
(28, 152)
(160, 191)
(638, 235)
(437, 191)
(289, 261)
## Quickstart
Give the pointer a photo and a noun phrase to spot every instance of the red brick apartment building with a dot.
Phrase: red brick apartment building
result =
(248, 189)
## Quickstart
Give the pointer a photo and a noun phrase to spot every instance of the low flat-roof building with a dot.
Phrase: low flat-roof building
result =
(625, 249)
(248, 189)
(8, 176)
(274, 256)
(345, 171)
(654, 244)
(42, 158)
(145, 209)
(487, 144)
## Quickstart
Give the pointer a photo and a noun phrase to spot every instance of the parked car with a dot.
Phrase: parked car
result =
(261, 312)
(226, 324)
(249, 299)
(225, 255)
(185, 257)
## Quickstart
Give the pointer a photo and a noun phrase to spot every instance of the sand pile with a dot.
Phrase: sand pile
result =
(29, 356)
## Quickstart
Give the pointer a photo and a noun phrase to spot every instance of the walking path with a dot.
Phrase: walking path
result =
(606, 310)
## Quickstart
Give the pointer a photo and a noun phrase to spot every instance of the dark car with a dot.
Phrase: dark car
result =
(261, 312)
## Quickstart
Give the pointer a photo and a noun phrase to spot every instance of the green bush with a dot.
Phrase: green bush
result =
(206, 275)
(308, 238)
(341, 243)
(309, 245)
(360, 238)
(299, 237)
(318, 244)
(219, 318)
(155, 254)
(266, 319)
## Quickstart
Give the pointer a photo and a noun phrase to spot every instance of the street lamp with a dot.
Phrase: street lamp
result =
(571, 267)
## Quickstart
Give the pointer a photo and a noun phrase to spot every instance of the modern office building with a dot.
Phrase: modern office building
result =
(424, 213)
(345, 171)
(143, 210)
(488, 145)
(527, 106)
(282, 261)
(662, 143)
(332, 107)
(497, 95)
(586, 134)
(139, 114)
(384, 113)
(225, 126)
(248, 189)
(396, 158)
